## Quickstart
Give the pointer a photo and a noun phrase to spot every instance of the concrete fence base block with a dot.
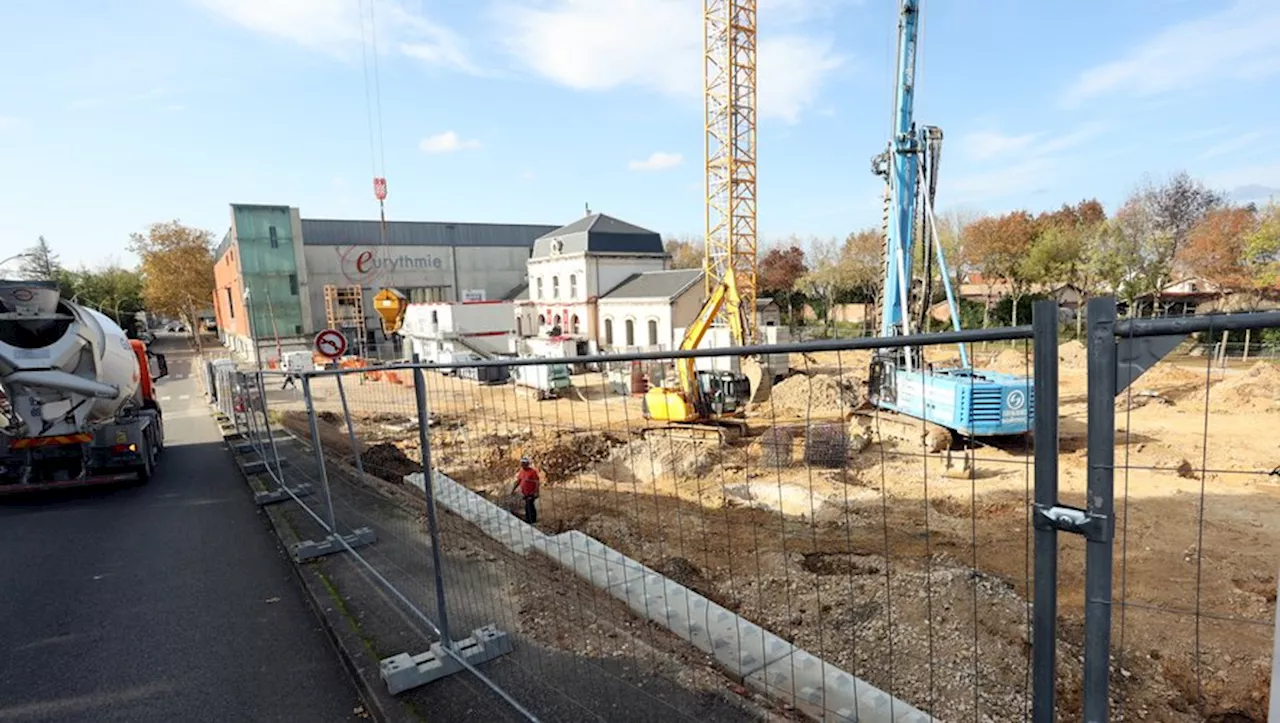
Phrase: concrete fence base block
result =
(404, 671)
(280, 494)
(311, 549)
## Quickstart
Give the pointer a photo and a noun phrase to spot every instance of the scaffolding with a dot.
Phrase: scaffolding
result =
(344, 311)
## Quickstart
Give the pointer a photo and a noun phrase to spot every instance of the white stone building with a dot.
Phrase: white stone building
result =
(644, 310)
(572, 267)
(607, 284)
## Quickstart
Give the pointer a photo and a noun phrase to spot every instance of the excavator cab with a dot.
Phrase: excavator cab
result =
(722, 393)
(881, 381)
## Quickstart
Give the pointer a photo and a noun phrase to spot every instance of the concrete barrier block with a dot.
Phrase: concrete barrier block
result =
(827, 693)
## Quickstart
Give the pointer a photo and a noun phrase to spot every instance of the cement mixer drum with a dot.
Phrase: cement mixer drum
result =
(63, 367)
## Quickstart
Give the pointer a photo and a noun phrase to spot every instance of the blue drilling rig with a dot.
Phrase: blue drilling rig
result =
(956, 400)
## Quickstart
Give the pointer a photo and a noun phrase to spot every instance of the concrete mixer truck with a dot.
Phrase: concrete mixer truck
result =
(77, 401)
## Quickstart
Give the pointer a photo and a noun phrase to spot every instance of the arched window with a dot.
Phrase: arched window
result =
(539, 284)
(542, 320)
(573, 324)
(556, 322)
(573, 286)
(555, 287)
(631, 332)
(608, 331)
(653, 332)
(519, 326)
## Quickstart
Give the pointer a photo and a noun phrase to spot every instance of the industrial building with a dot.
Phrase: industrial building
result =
(302, 275)
(600, 281)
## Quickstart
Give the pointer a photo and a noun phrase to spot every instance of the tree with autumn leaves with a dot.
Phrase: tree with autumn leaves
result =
(177, 271)
(1166, 229)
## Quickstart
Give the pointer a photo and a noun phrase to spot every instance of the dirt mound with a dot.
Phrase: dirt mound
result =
(1164, 376)
(563, 456)
(1010, 361)
(1073, 355)
(815, 394)
(387, 461)
(648, 459)
(1259, 386)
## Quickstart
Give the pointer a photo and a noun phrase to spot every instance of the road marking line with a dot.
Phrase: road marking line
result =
(164, 399)
(184, 396)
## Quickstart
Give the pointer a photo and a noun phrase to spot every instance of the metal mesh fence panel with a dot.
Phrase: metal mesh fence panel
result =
(815, 553)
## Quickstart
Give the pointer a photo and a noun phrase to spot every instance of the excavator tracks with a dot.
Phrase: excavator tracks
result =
(889, 425)
(723, 433)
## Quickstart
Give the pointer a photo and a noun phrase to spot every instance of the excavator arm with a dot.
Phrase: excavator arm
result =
(726, 293)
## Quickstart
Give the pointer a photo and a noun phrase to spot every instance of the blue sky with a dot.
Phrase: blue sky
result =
(117, 114)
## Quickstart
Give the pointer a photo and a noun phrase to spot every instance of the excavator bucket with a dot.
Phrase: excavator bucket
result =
(759, 377)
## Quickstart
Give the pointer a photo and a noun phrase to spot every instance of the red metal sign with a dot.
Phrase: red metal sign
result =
(331, 343)
(380, 188)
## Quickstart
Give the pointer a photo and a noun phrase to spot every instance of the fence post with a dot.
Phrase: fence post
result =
(1045, 614)
(1101, 507)
(424, 441)
(266, 420)
(351, 427)
(316, 447)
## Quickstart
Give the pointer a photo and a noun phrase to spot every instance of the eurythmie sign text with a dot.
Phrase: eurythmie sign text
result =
(364, 265)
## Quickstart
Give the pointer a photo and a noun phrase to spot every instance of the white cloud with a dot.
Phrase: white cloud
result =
(657, 161)
(657, 45)
(1231, 145)
(1240, 42)
(1036, 161)
(1253, 174)
(447, 142)
(1021, 176)
(983, 145)
(337, 27)
(122, 98)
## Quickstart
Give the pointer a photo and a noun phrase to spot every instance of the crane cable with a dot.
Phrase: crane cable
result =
(373, 101)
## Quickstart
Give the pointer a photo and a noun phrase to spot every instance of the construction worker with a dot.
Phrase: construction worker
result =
(528, 484)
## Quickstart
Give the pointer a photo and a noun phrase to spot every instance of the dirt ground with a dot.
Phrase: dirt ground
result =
(912, 578)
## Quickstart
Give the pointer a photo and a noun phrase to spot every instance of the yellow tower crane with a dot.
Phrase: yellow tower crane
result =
(703, 400)
(729, 107)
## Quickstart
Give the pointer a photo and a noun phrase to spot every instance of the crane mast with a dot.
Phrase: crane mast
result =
(729, 66)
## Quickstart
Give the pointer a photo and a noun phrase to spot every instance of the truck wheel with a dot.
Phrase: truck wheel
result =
(145, 469)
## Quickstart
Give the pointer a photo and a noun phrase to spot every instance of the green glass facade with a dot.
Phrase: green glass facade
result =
(269, 268)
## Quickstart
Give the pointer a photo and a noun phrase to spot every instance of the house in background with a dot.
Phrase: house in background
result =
(606, 282)
(572, 267)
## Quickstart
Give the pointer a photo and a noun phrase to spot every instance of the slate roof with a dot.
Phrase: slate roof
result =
(655, 284)
(600, 234)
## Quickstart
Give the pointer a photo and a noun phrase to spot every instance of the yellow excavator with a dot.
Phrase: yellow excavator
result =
(707, 403)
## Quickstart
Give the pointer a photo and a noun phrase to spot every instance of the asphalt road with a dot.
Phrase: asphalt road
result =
(166, 602)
